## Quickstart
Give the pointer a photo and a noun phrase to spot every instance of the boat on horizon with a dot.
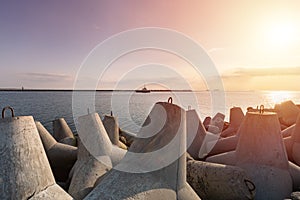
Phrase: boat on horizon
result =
(143, 90)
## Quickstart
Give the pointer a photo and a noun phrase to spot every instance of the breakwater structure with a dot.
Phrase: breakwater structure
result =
(174, 156)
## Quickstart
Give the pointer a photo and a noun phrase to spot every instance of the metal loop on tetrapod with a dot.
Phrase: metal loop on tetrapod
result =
(170, 100)
(261, 109)
(250, 185)
(10, 108)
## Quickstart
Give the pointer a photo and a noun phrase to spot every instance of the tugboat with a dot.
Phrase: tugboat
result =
(144, 90)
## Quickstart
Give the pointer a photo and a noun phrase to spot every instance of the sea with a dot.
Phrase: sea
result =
(132, 108)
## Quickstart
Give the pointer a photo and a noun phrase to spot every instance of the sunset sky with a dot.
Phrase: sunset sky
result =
(255, 45)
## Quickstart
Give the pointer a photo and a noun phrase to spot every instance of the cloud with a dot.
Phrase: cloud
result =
(263, 78)
(260, 72)
(48, 77)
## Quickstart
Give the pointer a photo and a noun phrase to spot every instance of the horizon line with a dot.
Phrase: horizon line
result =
(129, 90)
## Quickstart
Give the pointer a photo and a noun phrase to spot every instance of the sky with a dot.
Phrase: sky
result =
(254, 45)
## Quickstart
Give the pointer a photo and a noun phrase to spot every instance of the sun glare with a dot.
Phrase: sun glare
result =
(277, 97)
(281, 33)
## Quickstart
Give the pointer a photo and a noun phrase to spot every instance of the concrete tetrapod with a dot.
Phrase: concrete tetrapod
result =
(235, 120)
(25, 171)
(217, 121)
(288, 143)
(62, 132)
(129, 137)
(199, 141)
(215, 181)
(288, 131)
(155, 165)
(96, 156)
(112, 128)
(260, 152)
(195, 133)
(212, 135)
(95, 138)
(61, 157)
(86, 171)
(224, 145)
(296, 142)
(287, 112)
(229, 143)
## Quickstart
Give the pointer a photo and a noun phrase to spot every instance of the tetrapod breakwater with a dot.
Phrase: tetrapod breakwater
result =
(175, 155)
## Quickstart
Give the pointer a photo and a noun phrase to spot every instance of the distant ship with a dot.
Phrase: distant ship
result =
(144, 90)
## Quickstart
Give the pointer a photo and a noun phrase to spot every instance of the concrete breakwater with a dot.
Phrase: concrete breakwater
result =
(174, 156)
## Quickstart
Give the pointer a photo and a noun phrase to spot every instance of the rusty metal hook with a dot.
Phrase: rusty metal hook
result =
(250, 185)
(11, 109)
(261, 109)
(170, 100)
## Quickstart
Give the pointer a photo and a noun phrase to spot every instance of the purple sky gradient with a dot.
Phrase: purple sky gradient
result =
(43, 43)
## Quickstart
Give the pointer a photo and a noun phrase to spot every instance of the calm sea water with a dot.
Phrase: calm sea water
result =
(132, 108)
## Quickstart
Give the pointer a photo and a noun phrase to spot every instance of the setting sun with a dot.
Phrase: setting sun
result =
(280, 32)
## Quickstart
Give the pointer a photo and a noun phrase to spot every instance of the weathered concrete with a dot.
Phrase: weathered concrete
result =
(25, 171)
(260, 151)
(86, 172)
(224, 145)
(227, 158)
(295, 173)
(295, 196)
(288, 143)
(208, 144)
(295, 137)
(260, 141)
(62, 132)
(130, 186)
(95, 138)
(96, 156)
(112, 128)
(128, 136)
(207, 122)
(288, 131)
(215, 181)
(218, 121)
(53, 192)
(213, 129)
(212, 135)
(287, 112)
(155, 165)
(195, 133)
(235, 120)
(61, 157)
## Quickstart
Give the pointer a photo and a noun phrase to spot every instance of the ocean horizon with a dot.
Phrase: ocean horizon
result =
(132, 108)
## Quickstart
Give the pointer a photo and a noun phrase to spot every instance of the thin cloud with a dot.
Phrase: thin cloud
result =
(33, 76)
(260, 72)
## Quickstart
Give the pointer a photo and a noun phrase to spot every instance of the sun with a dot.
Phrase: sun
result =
(280, 33)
